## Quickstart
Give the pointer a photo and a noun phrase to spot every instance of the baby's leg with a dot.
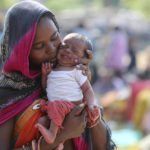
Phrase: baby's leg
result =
(49, 134)
(45, 121)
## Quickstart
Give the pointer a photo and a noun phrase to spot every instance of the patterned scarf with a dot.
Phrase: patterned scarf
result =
(19, 86)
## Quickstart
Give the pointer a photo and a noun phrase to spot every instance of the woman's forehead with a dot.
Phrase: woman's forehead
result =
(45, 27)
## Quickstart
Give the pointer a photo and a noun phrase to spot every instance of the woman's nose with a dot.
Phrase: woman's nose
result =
(51, 48)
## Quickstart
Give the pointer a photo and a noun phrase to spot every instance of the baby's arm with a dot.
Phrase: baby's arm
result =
(88, 93)
(46, 69)
(93, 109)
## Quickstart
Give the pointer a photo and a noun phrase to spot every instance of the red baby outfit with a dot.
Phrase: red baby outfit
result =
(57, 110)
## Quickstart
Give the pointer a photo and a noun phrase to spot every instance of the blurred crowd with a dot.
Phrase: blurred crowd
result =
(120, 70)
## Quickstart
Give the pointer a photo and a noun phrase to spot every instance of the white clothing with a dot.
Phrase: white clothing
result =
(65, 85)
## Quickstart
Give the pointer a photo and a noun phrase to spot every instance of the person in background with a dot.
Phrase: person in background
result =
(118, 50)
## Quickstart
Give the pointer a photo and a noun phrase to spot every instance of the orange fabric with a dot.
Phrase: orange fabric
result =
(24, 118)
(57, 110)
(29, 132)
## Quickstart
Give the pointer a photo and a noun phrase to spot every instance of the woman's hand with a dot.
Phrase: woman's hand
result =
(75, 122)
(84, 63)
(74, 125)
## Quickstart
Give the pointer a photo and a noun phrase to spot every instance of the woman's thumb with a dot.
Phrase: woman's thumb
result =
(78, 109)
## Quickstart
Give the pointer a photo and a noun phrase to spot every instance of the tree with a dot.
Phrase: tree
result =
(138, 5)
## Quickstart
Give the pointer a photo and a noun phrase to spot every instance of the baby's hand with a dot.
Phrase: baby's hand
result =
(46, 68)
(94, 112)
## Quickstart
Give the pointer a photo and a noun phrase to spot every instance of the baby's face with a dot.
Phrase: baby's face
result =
(70, 50)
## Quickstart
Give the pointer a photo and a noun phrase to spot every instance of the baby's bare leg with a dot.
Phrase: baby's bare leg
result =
(48, 133)
(45, 121)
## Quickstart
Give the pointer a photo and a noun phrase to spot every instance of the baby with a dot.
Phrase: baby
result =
(66, 86)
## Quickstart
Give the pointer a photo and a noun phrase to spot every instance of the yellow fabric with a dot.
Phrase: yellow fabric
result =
(142, 102)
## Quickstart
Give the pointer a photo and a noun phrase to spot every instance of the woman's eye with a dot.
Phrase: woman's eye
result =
(63, 46)
(38, 46)
(54, 37)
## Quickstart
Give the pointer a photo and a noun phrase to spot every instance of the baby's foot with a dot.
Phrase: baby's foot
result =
(48, 136)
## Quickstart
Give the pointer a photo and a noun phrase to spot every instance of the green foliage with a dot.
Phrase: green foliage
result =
(138, 5)
(59, 5)
(5, 4)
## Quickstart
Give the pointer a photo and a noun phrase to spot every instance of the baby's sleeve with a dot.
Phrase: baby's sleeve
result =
(80, 78)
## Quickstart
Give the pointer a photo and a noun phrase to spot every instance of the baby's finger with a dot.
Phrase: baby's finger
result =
(48, 65)
(43, 65)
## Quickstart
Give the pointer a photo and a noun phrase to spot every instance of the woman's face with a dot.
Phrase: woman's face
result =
(45, 44)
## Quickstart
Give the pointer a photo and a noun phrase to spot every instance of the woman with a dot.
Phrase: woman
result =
(31, 37)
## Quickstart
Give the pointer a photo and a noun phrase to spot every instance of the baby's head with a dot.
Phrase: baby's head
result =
(74, 46)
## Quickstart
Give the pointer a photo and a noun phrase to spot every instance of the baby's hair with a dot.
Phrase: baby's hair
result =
(81, 38)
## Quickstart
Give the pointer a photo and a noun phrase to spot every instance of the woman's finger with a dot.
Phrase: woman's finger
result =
(82, 67)
(78, 109)
(83, 117)
(85, 70)
(89, 53)
(84, 61)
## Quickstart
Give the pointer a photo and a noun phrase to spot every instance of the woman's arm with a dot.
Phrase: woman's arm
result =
(6, 131)
(102, 133)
